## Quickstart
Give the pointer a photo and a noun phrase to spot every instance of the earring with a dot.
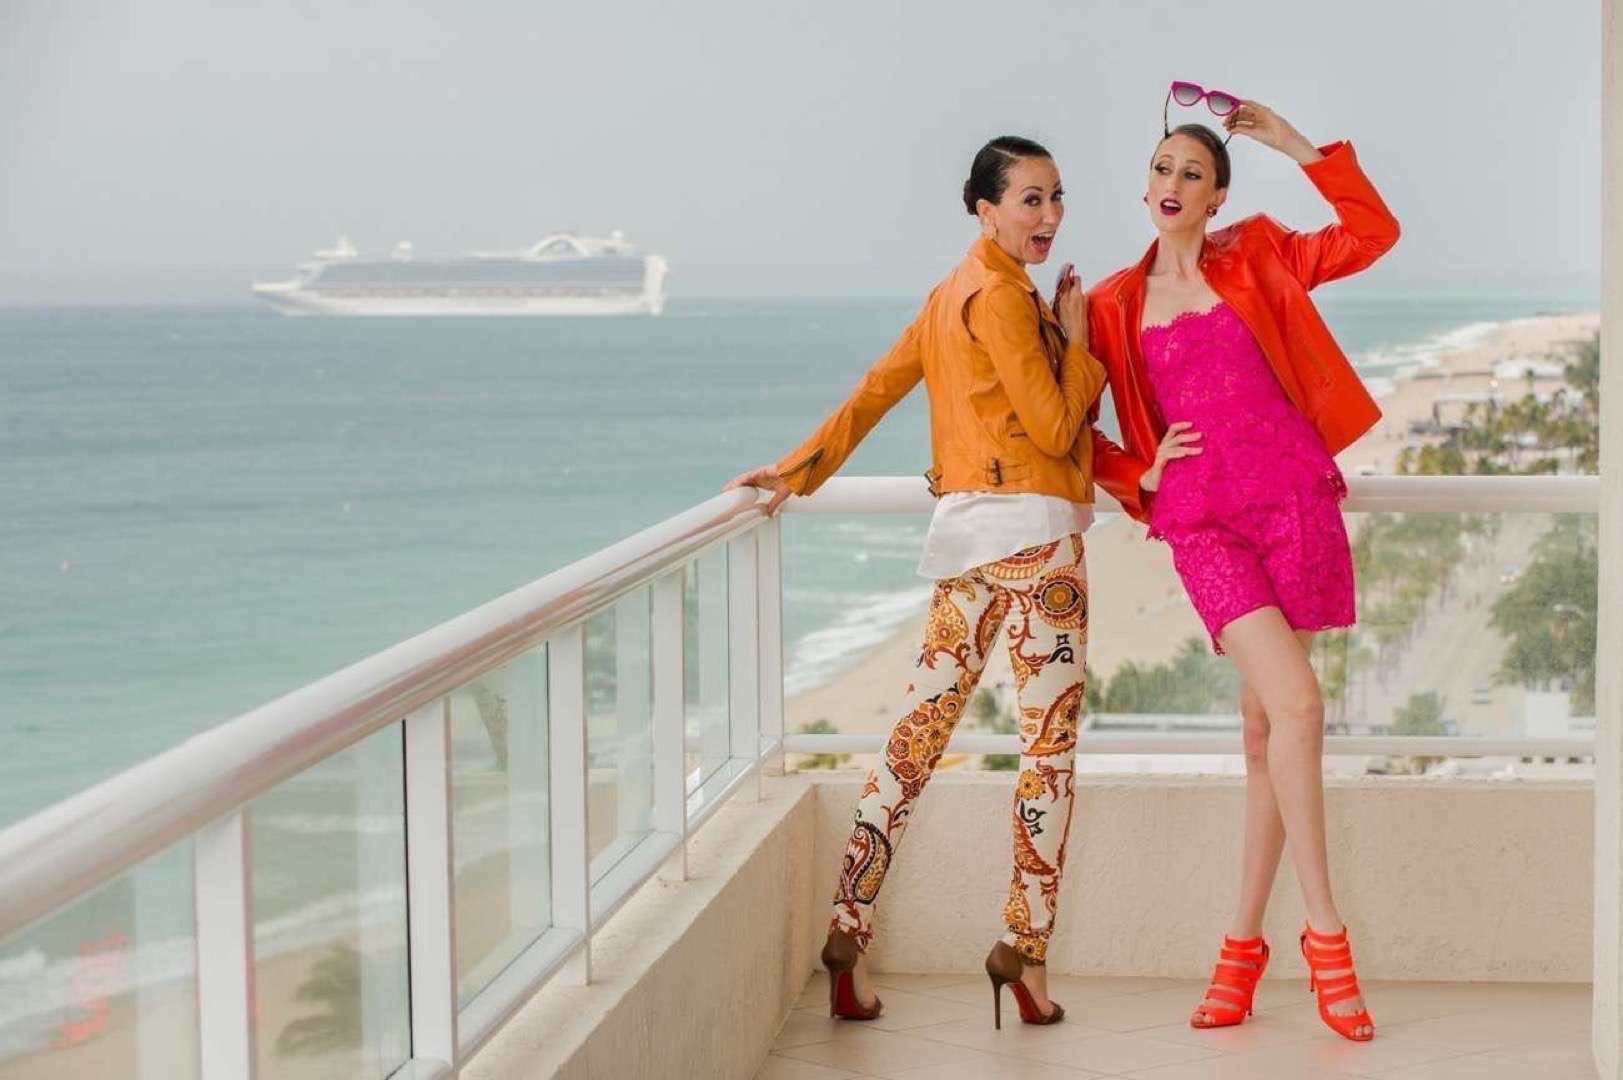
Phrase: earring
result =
(1145, 199)
(1211, 211)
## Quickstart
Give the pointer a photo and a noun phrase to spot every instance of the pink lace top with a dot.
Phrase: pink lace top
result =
(1259, 452)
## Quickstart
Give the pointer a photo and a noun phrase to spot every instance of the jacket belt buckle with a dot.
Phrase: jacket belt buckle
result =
(996, 469)
(932, 478)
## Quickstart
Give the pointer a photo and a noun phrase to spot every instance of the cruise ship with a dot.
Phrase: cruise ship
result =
(563, 274)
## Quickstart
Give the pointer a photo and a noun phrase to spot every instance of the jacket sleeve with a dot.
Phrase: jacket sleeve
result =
(1364, 230)
(806, 467)
(1119, 472)
(1114, 468)
(1004, 318)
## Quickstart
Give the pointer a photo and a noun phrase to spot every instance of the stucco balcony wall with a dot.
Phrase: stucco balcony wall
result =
(1439, 879)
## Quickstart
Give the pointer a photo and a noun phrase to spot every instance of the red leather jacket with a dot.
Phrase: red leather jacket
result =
(1264, 272)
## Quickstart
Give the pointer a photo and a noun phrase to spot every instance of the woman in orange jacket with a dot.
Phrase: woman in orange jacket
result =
(1010, 386)
(1232, 398)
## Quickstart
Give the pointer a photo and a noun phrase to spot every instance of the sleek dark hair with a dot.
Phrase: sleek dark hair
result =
(1213, 143)
(989, 175)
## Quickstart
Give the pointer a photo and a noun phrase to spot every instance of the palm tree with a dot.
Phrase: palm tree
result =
(334, 983)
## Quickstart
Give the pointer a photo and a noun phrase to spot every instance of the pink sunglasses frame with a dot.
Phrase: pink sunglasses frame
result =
(1203, 94)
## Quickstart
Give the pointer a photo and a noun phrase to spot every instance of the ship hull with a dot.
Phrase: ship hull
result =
(296, 301)
(316, 294)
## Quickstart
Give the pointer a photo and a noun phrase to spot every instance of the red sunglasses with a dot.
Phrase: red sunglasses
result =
(1221, 102)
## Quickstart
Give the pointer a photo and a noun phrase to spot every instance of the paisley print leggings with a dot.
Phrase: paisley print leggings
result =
(1041, 596)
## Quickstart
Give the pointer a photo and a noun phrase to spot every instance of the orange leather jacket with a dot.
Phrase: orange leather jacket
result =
(1264, 272)
(1009, 397)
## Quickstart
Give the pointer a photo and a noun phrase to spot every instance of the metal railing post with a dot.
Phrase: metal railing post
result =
(431, 884)
(570, 796)
(226, 999)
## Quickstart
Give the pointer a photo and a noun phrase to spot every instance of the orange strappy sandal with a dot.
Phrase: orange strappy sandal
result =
(1331, 952)
(1232, 982)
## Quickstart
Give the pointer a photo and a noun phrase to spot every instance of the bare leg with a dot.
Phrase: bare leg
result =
(1271, 660)
(1264, 828)
(1035, 978)
(862, 982)
(1264, 840)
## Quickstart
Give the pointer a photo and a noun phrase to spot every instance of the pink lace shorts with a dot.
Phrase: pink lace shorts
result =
(1293, 557)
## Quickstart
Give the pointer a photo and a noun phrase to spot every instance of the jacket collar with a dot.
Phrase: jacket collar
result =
(985, 249)
(1214, 255)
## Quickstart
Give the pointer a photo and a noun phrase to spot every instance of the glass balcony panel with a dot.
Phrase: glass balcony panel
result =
(853, 610)
(1476, 625)
(705, 655)
(499, 785)
(620, 733)
(106, 987)
(329, 905)
(1479, 625)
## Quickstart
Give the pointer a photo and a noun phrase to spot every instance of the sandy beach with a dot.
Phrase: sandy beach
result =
(1138, 608)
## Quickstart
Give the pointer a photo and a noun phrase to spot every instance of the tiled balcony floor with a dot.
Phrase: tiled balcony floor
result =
(939, 1027)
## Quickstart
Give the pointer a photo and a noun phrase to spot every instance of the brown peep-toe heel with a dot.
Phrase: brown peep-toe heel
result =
(1004, 966)
(840, 954)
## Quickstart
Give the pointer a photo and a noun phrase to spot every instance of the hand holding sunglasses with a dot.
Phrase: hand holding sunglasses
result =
(1270, 129)
(1071, 305)
(1067, 277)
(1242, 117)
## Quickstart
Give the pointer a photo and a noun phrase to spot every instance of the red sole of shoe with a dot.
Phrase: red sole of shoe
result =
(1029, 1013)
(843, 1002)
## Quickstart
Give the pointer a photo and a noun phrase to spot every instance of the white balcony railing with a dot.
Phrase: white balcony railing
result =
(1366, 494)
(201, 789)
(200, 792)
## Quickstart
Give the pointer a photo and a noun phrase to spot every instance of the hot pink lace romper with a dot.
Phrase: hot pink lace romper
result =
(1255, 520)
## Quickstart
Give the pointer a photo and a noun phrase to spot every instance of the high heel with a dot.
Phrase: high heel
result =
(1004, 966)
(1233, 983)
(1331, 952)
(840, 955)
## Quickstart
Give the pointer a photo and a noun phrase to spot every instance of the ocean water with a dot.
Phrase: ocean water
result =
(203, 509)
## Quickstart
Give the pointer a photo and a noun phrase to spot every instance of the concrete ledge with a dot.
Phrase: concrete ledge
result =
(690, 978)
(1438, 879)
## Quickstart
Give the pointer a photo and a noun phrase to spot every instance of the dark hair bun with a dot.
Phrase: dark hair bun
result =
(989, 174)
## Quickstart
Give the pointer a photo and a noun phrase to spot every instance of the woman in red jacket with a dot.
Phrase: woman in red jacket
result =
(1233, 397)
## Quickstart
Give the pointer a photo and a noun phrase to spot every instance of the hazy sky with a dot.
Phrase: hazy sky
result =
(183, 147)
